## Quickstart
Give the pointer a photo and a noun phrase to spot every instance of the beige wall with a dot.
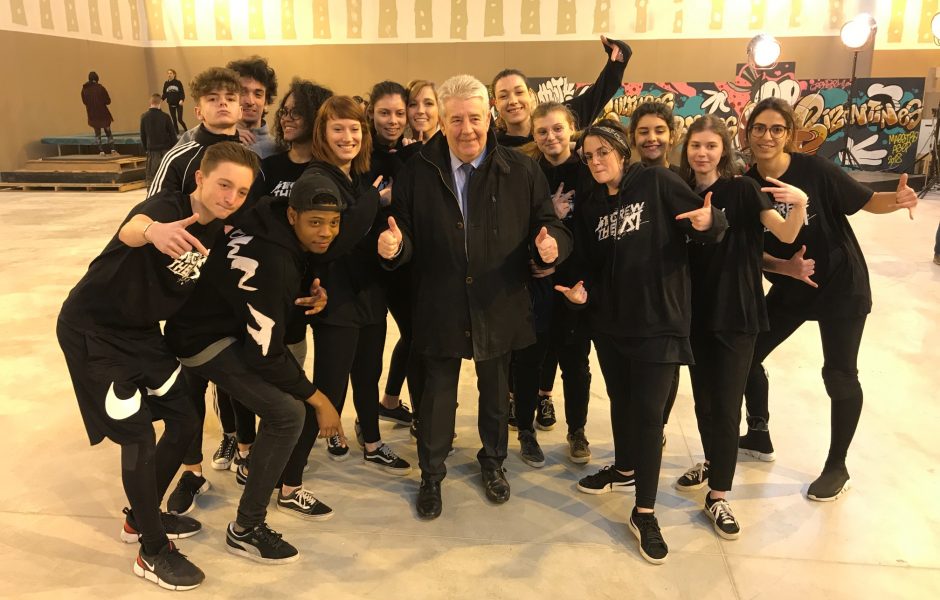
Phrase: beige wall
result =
(130, 74)
(43, 96)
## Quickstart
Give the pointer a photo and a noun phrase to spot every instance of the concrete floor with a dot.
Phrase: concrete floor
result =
(60, 505)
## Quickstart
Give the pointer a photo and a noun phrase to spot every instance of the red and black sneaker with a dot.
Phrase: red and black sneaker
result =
(176, 527)
(169, 568)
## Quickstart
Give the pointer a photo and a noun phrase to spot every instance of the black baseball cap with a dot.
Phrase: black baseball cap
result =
(315, 191)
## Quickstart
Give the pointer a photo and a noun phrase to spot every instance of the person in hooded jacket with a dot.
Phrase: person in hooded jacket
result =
(96, 100)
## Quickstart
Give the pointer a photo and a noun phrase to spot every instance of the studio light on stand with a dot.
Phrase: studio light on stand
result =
(762, 53)
(855, 35)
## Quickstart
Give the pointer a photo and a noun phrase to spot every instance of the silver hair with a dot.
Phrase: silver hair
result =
(462, 87)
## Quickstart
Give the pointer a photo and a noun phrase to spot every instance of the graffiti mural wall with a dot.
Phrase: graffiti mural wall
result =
(879, 127)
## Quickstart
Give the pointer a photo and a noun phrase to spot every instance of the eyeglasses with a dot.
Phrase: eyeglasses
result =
(543, 134)
(601, 155)
(776, 131)
(288, 113)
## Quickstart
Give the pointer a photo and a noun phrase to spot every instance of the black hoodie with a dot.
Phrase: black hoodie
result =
(247, 292)
(635, 260)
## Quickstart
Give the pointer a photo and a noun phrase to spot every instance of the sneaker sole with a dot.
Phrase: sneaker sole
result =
(690, 488)
(304, 516)
(395, 421)
(838, 494)
(151, 576)
(607, 489)
(544, 427)
(338, 457)
(222, 466)
(400, 472)
(133, 538)
(202, 490)
(238, 551)
(538, 464)
(579, 460)
(636, 534)
(763, 456)
(722, 533)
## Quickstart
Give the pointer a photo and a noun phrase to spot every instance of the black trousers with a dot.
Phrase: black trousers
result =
(234, 416)
(722, 362)
(841, 339)
(404, 364)
(154, 158)
(282, 418)
(638, 391)
(109, 136)
(341, 355)
(525, 373)
(572, 355)
(439, 408)
(176, 115)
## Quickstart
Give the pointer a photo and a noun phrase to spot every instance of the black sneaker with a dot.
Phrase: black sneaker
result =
(238, 460)
(262, 544)
(829, 486)
(757, 444)
(175, 526)
(545, 415)
(529, 449)
(223, 457)
(241, 474)
(606, 480)
(512, 413)
(693, 479)
(358, 428)
(335, 447)
(579, 450)
(183, 498)
(400, 415)
(645, 528)
(385, 458)
(302, 503)
(169, 568)
(719, 511)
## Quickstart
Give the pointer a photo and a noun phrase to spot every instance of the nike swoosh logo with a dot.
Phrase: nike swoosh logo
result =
(147, 564)
(121, 408)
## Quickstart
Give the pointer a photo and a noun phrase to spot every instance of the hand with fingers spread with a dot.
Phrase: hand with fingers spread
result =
(317, 299)
(576, 294)
(906, 197)
(385, 193)
(786, 193)
(327, 417)
(172, 239)
(547, 246)
(390, 240)
(800, 268)
(562, 201)
(701, 218)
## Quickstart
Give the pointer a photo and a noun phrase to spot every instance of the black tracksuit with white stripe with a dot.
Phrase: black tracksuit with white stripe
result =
(177, 171)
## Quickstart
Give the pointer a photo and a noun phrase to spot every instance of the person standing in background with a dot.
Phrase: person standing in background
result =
(157, 135)
(96, 100)
(174, 93)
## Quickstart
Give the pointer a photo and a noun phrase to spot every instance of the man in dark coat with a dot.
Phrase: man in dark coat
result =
(96, 100)
(469, 214)
(157, 135)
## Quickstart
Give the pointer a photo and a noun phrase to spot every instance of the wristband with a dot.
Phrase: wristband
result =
(149, 225)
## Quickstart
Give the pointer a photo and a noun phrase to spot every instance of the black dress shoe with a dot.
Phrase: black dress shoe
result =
(429, 499)
(496, 485)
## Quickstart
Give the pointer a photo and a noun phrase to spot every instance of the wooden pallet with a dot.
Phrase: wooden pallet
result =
(75, 187)
(76, 177)
(87, 163)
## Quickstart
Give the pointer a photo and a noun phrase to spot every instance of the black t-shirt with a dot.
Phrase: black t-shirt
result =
(727, 294)
(841, 273)
(280, 173)
(136, 288)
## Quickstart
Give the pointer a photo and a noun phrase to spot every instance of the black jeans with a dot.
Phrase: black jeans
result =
(439, 409)
(722, 362)
(176, 115)
(526, 367)
(233, 415)
(841, 339)
(638, 391)
(281, 416)
(341, 354)
(572, 355)
(109, 136)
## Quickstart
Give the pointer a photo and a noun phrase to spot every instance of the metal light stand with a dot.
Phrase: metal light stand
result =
(933, 176)
(845, 155)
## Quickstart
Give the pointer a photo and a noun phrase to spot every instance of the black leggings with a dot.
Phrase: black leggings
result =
(841, 338)
(341, 354)
(722, 362)
(638, 391)
(176, 115)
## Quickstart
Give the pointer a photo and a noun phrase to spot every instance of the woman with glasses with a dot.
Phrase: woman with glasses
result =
(632, 231)
(821, 276)
(728, 307)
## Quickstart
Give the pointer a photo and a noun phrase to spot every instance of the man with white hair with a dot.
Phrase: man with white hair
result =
(470, 215)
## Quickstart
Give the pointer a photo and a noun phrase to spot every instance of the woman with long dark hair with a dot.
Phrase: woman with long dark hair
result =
(821, 276)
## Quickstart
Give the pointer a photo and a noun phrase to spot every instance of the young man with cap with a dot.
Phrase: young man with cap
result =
(233, 334)
(123, 374)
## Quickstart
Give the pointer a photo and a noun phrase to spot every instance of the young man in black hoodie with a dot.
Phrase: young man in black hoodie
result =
(233, 332)
(157, 135)
(174, 93)
(216, 92)
(123, 374)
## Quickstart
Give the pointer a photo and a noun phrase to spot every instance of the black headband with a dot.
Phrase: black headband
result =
(614, 137)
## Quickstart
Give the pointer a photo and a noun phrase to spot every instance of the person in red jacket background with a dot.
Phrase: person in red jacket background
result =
(96, 100)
